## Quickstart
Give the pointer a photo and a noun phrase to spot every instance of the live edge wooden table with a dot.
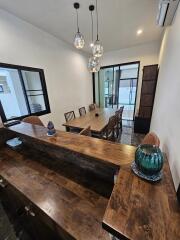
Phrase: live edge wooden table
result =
(43, 177)
(97, 123)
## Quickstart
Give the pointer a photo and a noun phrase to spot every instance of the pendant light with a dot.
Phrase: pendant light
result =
(97, 49)
(79, 39)
(94, 64)
(91, 9)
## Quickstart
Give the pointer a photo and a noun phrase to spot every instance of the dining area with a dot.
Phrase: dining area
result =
(84, 178)
(87, 149)
(82, 181)
(102, 123)
(87, 172)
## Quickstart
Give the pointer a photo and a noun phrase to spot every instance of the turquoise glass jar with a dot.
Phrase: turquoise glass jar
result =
(149, 159)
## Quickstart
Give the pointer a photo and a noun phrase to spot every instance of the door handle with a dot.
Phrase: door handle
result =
(29, 211)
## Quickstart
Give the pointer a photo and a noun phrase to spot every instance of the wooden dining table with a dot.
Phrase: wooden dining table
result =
(97, 123)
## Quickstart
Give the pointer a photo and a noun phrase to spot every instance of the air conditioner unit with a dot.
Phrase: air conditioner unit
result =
(166, 13)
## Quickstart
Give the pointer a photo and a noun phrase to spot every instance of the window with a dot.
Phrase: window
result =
(22, 92)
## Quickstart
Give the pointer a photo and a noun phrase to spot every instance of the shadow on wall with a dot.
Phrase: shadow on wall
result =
(167, 149)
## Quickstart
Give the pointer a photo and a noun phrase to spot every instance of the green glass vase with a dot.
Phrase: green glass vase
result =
(149, 159)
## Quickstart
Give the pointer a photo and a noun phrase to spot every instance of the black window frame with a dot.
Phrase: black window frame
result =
(20, 68)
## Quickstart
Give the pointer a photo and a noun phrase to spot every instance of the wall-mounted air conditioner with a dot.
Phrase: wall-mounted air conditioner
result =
(166, 12)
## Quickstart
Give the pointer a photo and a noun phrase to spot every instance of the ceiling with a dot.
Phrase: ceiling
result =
(119, 20)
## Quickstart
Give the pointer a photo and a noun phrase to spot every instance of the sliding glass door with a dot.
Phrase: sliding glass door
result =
(116, 86)
(127, 89)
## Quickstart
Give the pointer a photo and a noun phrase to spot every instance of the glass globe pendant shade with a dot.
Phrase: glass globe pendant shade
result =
(79, 41)
(94, 64)
(97, 49)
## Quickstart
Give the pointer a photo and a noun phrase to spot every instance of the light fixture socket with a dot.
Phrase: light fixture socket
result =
(76, 5)
(91, 8)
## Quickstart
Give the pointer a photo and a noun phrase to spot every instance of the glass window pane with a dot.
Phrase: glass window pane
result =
(36, 103)
(106, 87)
(34, 91)
(37, 92)
(133, 90)
(128, 112)
(124, 89)
(129, 71)
(11, 94)
(32, 80)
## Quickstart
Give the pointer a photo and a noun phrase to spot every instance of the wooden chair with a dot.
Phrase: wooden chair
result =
(119, 114)
(82, 111)
(35, 120)
(86, 131)
(109, 131)
(178, 193)
(151, 138)
(121, 109)
(92, 107)
(69, 116)
(117, 127)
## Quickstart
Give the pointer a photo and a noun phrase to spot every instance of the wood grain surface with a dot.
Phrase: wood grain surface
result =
(76, 210)
(136, 210)
(105, 151)
(140, 210)
(97, 123)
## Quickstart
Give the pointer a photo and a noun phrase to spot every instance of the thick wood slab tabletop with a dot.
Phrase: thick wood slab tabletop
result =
(77, 210)
(97, 123)
(139, 210)
(113, 153)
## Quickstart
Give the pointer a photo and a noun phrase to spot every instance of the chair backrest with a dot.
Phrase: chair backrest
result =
(151, 138)
(35, 120)
(69, 116)
(119, 112)
(121, 109)
(86, 131)
(109, 130)
(178, 193)
(92, 107)
(82, 111)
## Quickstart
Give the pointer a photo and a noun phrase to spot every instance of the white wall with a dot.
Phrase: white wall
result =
(68, 81)
(147, 54)
(166, 113)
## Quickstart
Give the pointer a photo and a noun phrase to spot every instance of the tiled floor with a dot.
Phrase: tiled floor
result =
(6, 228)
(128, 136)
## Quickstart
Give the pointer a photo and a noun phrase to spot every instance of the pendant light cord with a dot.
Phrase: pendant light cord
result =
(97, 21)
(92, 27)
(77, 21)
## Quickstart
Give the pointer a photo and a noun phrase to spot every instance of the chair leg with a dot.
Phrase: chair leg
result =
(67, 129)
(117, 131)
(121, 125)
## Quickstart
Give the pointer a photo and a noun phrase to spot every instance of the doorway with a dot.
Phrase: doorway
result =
(116, 86)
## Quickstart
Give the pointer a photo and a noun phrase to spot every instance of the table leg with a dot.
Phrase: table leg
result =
(67, 129)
